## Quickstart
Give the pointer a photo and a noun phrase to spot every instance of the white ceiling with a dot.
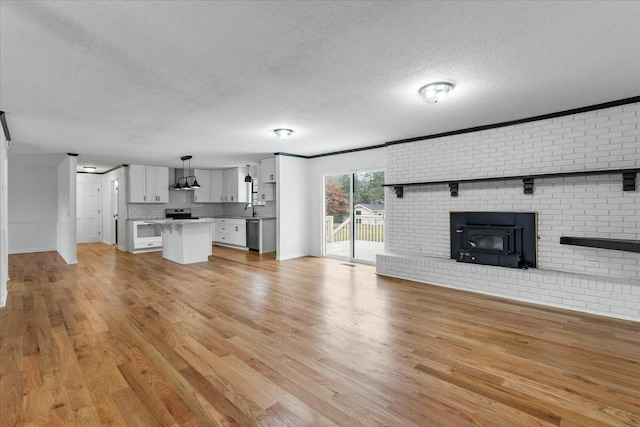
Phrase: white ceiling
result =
(148, 82)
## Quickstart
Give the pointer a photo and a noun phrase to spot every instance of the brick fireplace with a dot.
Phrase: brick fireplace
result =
(600, 281)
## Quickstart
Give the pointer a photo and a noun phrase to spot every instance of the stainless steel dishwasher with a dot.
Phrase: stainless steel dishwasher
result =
(253, 234)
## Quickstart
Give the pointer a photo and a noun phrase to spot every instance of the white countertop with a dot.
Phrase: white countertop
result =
(201, 219)
(244, 217)
(178, 221)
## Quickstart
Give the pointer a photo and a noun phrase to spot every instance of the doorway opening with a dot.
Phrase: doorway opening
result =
(354, 219)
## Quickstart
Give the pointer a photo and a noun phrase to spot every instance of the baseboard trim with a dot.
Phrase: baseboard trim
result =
(291, 256)
(29, 251)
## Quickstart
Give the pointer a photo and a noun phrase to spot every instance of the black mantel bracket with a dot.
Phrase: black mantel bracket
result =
(453, 189)
(628, 180)
(527, 185)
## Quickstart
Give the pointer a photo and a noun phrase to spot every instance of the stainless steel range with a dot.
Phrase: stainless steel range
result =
(184, 213)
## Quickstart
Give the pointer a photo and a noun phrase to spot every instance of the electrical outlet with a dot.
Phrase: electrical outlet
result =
(594, 264)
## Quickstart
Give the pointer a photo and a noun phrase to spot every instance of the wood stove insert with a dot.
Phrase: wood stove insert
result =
(506, 239)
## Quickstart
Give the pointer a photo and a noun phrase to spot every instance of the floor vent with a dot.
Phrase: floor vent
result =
(349, 265)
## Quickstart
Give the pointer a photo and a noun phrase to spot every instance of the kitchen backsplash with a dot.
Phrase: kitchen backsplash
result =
(156, 210)
(237, 209)
(184, 199)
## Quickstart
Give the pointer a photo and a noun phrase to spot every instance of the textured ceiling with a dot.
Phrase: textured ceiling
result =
(148, 82)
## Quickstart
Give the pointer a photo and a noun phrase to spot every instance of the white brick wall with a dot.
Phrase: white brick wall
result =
(614, 297)
(603, 139)
(593, 206)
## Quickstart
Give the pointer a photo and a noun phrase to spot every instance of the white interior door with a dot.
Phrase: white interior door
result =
(87, 212)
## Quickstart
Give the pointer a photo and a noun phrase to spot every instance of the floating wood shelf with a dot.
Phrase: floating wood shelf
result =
(628, 180)
(592, 242)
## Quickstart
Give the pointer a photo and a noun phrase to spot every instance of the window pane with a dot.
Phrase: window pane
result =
(337, 215)
(368, 202)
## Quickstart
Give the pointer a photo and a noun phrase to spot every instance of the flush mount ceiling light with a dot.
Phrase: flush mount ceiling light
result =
(283, 134)
(89, 168)
(434, 93)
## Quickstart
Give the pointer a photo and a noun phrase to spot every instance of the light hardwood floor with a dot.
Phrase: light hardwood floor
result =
(245, 340)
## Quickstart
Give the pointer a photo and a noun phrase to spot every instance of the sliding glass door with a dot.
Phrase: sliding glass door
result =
(368, 215)
(354, 216)
(337, 219)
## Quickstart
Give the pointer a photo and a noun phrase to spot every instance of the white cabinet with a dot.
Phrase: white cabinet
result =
(234, 188)
(202, 194)
(147, 184)
(230, 231)
(216, 186)
(222, 186)
(230, 184)
(221, 232)
(267, 235)
(157, 182)
(143, 237)
(266, 192)
(238, 235)
(268, 170)
(136, 184)
(212, 188)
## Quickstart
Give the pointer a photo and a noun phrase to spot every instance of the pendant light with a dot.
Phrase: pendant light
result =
(186, 185)
(248, 177)
(194, 184)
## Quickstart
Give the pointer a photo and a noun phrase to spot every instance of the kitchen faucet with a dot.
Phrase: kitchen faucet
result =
(253, 208)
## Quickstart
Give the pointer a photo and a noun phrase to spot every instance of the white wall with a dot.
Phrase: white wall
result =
(318, 168)
(32, 202)
(594, 280)
(4, 212)
(293, 207)
(66, 242)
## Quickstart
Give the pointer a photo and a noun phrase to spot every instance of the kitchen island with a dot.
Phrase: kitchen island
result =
(185, 241)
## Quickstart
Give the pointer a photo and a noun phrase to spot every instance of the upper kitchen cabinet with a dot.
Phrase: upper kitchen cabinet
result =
(221, 186)
(217, 189)
(268, 170)
(266, 192)
(233, 186)
(203, 194)
(147, 184)
(157, 180)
